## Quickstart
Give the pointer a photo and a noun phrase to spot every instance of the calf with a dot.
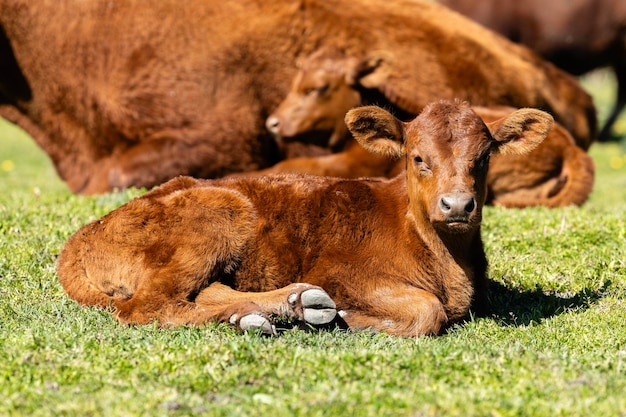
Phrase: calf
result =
(328, 84)
(403, 256)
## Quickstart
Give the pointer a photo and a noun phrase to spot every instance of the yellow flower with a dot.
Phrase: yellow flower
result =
(616, 162)
(7, 165)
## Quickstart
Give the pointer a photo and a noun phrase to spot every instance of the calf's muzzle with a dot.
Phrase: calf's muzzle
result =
(457, 207)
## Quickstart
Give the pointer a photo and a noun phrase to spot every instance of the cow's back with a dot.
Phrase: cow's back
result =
(574, 34)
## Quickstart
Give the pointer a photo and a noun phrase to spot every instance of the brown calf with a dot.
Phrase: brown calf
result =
(403, 256)
(557, 173)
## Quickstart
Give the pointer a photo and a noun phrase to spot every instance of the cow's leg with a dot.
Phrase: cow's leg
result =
(220, 303)
(402, 311)
(620, 103)
(144, 308)
(302, 302)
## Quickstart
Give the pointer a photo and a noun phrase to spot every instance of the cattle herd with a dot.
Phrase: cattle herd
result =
(321, 162)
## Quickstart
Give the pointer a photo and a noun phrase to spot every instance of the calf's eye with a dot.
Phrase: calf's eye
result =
(316, 90)
(419, 163)
(322, 89)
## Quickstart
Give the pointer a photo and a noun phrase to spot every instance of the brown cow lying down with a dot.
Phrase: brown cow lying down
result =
(556, 173)
(578, 36)
(133, 93)
(403, 256)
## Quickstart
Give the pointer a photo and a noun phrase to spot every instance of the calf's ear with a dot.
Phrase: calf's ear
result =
(376, 130)
(370, 72)
(521, 131)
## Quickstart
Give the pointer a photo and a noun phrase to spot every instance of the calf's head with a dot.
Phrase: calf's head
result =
(321, 93)
(447, 150)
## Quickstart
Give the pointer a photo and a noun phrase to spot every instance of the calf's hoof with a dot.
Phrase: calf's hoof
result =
(253, 322)
(313, 305)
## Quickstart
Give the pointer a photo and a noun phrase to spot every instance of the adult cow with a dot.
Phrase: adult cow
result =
(328, 84)
(577, 35)
(137, 92)
(402, 256)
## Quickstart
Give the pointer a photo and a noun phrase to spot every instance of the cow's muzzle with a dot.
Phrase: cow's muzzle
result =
(457, 207)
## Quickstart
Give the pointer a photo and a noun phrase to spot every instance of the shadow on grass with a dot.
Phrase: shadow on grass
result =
(515, 307)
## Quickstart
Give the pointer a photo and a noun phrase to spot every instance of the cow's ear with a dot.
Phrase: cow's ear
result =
(521, 131)
(369, 72)
(377, 130)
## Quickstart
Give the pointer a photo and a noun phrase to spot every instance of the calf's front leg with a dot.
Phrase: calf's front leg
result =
(403, 311)
(302, 302)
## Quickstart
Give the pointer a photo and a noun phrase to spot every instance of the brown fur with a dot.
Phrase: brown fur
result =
(576, 35)
(557, 172)
(402, 256)
(134, 92)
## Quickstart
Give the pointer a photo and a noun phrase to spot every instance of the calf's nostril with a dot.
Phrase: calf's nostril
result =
(272, 123)
(470, 206)
(444, 205)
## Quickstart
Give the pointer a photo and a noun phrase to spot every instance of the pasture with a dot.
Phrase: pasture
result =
(555, 344)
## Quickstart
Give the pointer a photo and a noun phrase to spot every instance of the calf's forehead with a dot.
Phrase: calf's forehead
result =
(314, 77)
(448, 132)
(328, 67)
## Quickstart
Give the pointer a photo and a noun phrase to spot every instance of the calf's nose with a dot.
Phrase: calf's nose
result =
(457, 206)
(272, 124)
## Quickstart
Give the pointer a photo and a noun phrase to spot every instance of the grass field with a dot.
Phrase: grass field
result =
(555, 344)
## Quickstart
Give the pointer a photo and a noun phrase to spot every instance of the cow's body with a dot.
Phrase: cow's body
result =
(134, 93)
(556, 173)
(577, 35)
(402, 255)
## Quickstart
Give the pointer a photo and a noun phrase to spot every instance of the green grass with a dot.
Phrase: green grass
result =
(554, 346)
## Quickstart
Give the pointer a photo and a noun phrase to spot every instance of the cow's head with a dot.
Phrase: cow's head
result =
(321, 94)
(447, 150)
